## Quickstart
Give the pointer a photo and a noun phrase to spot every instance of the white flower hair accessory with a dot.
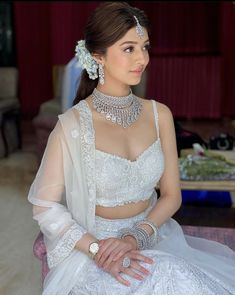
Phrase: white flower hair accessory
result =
(86, 60)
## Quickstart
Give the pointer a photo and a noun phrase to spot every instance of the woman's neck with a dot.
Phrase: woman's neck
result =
(114, 91)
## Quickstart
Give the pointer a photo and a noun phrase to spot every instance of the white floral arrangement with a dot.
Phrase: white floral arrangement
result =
(86, 60)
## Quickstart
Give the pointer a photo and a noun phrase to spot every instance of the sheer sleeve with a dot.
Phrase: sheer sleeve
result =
(60, 230)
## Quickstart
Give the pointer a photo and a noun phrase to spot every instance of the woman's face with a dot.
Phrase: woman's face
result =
(126, 59)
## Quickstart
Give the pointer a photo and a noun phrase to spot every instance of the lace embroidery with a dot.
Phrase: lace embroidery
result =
(111, 181)
(169, 276)
(124, 159)
(120, 181)
(88, 155)
(65, 245)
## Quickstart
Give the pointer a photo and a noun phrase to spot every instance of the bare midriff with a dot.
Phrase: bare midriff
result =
(124, 211)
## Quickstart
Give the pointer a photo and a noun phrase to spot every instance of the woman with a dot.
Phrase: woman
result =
(94, 194)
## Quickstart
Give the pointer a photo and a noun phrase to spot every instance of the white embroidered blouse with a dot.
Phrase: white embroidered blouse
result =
(120, 181)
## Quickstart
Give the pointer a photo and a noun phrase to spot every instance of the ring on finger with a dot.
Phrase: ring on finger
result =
(126, 262)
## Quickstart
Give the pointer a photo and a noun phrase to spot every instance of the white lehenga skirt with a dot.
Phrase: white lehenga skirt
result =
(182, 265)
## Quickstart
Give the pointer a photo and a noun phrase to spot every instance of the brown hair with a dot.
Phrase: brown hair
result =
(106, 25)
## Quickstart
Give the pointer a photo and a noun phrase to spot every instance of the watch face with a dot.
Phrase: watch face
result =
(94, 248)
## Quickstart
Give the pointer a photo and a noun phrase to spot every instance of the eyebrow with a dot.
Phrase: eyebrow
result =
(132, 42)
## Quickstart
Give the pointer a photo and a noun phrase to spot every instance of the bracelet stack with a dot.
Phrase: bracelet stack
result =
(155, 235)
(143, 239)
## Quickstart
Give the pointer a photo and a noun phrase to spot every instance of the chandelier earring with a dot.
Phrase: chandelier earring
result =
(101, 74)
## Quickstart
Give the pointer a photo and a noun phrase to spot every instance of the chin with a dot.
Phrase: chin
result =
(135, 83)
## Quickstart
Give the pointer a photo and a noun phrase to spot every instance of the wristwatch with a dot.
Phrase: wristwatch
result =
(93, 249)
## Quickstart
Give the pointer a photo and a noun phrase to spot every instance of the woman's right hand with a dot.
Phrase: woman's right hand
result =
(112, 249)
(115, 268)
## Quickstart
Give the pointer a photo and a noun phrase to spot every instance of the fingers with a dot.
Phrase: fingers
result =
(103, 253)
(135, 270)
(115, 270)
(119, 252)
(132, 274)
(105, 259)
(116, 273)
(122, 280)
(136, 255)
(107, 262)
(135, 265)
(110, 249)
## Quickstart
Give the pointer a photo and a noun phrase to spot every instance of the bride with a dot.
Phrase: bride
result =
(105, 229)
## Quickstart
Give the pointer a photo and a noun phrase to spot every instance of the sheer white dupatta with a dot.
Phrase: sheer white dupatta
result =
(63, 192)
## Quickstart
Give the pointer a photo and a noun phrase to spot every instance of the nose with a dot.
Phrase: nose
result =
(141, 57)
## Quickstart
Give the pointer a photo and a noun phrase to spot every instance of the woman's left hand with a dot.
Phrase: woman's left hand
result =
(134, 270)
(112, 249)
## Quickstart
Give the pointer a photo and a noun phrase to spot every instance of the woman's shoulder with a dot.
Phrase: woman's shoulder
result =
(162, 109)
(67, 121)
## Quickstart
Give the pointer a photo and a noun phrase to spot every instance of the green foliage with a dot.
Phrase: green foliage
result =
(206, 167)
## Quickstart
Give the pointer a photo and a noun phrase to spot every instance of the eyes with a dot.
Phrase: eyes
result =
(131, 49)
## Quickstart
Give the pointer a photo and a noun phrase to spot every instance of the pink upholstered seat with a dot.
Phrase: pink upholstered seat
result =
(222, 235)
(39, 250)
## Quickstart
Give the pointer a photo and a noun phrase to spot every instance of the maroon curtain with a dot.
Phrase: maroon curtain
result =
(46, 34)
(189, 85)
(227, 40)
(182, 27)
(32, 23)
(193, 29)
(68, 20)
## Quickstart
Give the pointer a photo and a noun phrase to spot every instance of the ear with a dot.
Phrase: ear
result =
(98, 58)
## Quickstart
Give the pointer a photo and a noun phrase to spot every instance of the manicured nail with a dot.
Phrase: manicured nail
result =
(146, 271)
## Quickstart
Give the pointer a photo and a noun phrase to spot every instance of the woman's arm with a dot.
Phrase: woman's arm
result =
(170, 199)
(170, 193)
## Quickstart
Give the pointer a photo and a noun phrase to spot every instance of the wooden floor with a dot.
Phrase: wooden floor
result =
(187, 215)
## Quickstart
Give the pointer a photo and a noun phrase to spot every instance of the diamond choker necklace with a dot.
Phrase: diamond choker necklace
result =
(122, 110)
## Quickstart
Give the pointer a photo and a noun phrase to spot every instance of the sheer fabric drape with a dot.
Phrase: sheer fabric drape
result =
(59, 193)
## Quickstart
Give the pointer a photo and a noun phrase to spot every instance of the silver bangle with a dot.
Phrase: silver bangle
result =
(130, 232)
(155, 236)
(142, 237)
(152, 225)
